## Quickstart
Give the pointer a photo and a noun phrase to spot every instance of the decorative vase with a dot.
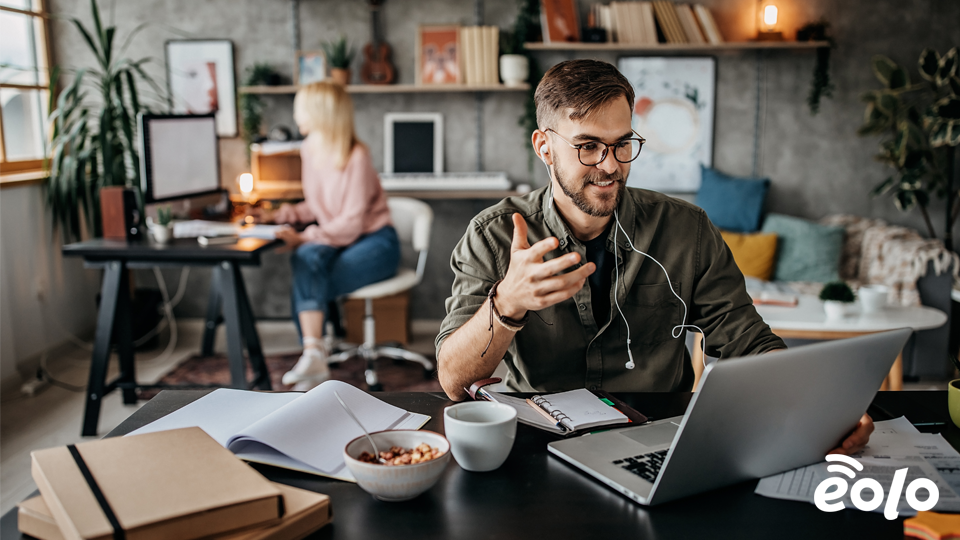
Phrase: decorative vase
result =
(834, 309)
(953, 401)
(340, 76)
(514, 69)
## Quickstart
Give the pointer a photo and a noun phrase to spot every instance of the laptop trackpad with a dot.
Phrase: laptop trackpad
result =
(655, 435)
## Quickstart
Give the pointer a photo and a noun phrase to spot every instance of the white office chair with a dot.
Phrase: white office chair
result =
(413, 220)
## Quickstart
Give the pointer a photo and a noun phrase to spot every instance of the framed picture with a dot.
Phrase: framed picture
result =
(674, 111)
(311, 66)
(438, 55)
(559, 21)
(413, 143)
(200, 79)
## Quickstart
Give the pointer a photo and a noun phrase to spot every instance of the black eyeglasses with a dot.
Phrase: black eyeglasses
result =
(594, 152)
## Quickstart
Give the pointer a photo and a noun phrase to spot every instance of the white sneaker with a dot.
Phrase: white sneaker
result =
(312, 367)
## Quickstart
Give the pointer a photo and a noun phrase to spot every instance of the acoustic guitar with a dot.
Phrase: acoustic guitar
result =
(376, 68)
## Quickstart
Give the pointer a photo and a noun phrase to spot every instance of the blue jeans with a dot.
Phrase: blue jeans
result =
(322, 273)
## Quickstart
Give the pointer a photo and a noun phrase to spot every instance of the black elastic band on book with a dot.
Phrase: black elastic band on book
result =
(118, 533)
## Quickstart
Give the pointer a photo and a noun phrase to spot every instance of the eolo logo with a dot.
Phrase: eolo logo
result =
(821, 496)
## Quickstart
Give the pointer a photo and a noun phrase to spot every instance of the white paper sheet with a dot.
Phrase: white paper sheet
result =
(894, 444)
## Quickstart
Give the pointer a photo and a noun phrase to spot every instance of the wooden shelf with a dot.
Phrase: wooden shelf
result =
(678, 47)
(391, 89)
(296, 194)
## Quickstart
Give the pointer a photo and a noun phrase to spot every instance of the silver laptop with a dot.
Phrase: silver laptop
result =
(751, 417)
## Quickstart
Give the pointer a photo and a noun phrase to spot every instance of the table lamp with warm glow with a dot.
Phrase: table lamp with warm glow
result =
(767, 21)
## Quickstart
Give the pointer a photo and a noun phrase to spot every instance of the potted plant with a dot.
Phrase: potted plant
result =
(94, 141)
(836, 296)
(820, 86)
(921, 125)
(161, 229)
(339, 54)
(514, 65)
(251, 106)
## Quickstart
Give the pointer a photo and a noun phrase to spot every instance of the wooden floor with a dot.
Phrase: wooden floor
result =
(53, 416)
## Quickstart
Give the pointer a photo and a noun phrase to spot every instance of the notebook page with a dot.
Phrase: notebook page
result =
(582, 409)
(525, 412)
(222, 413)
(314, 429)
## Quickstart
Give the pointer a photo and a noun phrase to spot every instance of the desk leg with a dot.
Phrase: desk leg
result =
(896, 374)
(213, 315)
(231, 316)
(110, 290)
(261, 376)
(123, 331)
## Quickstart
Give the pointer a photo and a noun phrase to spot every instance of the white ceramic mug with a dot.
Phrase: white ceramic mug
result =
(873, 298)
(481, 433)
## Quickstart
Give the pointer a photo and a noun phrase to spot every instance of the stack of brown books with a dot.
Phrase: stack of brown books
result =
(171, 484)
(479, 55)
(658, 21)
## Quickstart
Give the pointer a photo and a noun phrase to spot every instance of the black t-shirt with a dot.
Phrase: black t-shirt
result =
(601, 279)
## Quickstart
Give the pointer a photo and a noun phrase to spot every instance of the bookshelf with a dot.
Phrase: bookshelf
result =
(391, 89)
(680, 47)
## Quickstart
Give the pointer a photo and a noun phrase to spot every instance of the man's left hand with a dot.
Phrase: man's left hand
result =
(290, 237)
(857, 439)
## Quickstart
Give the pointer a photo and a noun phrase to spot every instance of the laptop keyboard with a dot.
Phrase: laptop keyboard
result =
(646, 466)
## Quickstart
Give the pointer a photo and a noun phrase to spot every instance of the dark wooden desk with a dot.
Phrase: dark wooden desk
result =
(114, 324)
(534, 495)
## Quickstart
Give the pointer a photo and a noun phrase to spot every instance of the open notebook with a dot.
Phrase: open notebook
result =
(574, 411)
(303, 432)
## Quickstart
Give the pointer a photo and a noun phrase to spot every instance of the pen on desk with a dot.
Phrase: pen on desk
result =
(546, 415)
(921, 424)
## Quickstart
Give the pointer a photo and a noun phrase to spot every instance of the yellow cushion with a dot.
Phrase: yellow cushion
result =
(755, 254)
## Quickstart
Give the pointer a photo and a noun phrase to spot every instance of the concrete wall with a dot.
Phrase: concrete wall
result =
(817, 163)
(44, 296)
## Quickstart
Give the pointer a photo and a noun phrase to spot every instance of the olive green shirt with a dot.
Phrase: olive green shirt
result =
(564, 348)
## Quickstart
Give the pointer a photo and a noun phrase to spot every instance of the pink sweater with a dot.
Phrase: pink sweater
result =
(346, 204)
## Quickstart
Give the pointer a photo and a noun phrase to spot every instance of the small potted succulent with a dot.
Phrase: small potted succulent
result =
(339, 54)
(837, 296)
(162, 229)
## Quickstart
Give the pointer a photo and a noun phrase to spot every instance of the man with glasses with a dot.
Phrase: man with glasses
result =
(568, 254)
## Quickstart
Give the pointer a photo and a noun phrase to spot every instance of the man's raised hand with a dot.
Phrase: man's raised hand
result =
(532, 283)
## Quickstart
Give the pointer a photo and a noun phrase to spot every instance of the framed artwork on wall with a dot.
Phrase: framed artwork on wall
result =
(200, 79)
(559, 21)
(310, 66)
(413, 143)
(674, 111)
(438, 55)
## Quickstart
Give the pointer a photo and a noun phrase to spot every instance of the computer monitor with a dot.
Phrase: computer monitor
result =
(179, 156)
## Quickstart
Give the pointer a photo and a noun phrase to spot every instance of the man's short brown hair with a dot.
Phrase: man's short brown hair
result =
(581, 85)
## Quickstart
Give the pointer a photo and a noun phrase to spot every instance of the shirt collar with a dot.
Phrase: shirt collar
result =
(626, 212)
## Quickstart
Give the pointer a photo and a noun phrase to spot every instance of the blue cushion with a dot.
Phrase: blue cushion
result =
(732, 204)
(806, 251)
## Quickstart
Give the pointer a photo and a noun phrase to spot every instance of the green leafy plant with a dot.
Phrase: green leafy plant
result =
(821, 86)
(339, 54)
(920, 128)
(526, 29)
(251, 105)
(164, 215)
(837, 291)
(94, 141)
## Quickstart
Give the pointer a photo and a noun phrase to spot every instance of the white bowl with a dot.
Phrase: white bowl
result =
(396, 482)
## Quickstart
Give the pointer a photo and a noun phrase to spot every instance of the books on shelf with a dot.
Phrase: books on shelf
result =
(652, 22)
(301, 432)
(480, 55)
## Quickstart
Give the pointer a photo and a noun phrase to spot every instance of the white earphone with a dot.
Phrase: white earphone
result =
(543, 158)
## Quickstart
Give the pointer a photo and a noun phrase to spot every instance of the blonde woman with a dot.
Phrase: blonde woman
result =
(352, 243)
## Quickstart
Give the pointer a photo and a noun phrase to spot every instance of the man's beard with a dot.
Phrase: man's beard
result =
(604, 204)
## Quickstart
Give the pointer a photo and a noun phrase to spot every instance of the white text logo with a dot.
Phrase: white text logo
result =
(822, 496)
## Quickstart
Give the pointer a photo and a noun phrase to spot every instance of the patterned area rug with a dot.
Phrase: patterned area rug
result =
(395, 375)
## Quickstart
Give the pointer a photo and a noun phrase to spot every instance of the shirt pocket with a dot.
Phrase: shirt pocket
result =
(652, 312)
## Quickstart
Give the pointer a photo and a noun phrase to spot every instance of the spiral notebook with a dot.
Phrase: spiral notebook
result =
(573, 412)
